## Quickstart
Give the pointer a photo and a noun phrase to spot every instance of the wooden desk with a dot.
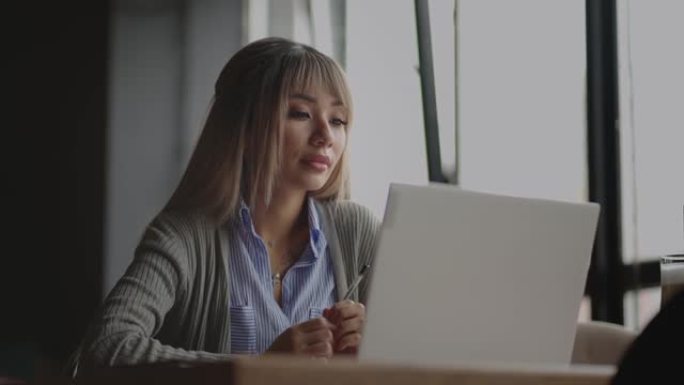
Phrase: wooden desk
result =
(300, 371)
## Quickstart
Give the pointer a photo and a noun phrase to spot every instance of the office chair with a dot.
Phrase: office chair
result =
(600, 343)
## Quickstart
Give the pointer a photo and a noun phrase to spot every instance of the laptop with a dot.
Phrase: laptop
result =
(470, 277)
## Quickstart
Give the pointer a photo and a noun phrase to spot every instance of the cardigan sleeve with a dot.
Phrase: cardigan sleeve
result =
(134, 311)
(358, 229)
(369, 227)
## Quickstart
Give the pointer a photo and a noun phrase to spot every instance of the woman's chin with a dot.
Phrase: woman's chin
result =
(309, 183)
(314, 186)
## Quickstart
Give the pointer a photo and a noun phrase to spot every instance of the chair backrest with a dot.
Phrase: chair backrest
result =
(600, 343)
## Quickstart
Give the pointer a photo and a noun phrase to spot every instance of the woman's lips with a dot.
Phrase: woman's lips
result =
(318, 162)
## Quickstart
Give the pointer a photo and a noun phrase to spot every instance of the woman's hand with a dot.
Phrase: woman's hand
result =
(313, 338)
(348, 317)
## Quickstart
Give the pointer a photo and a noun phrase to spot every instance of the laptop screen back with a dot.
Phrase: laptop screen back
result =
(462, 276)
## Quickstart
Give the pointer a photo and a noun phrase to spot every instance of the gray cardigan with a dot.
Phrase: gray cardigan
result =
(172, 303)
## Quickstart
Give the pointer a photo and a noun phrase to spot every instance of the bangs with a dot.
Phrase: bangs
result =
(307, 70)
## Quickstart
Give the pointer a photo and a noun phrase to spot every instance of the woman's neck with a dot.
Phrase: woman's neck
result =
(278, 221)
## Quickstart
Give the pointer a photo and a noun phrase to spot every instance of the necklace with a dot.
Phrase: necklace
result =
(278, 269)
(279, 266)
(278, 275)
(287, 258)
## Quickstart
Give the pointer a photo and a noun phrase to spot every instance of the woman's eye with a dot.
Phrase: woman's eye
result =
(296, 114)
(338, 122)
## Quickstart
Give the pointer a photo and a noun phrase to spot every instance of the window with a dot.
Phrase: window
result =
(651, 59)
(387, 138)
(521, 98)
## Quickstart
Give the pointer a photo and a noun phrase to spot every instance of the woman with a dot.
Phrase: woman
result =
(257, 246)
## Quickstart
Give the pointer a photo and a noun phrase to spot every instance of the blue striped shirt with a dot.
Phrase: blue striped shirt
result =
(308, 287)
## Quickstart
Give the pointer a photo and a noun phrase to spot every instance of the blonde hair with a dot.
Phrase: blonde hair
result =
(238, 152)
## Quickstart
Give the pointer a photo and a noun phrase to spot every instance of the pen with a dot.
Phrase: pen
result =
(357, 281)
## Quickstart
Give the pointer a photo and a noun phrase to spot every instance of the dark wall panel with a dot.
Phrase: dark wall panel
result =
(54, 68)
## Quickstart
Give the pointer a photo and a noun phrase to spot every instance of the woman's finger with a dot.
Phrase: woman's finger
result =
(345, 310)
(348, 343)
(352, 325)
(314, 337)
(320, 349)
(315, 324)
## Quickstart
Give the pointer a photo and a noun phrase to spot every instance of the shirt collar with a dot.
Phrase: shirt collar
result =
(246, 217)
(316, 236)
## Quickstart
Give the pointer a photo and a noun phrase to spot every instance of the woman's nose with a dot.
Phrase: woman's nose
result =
(322, 136)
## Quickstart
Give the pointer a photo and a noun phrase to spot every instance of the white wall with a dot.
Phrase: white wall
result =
(213, 33)
(143, 123)
(164, 58)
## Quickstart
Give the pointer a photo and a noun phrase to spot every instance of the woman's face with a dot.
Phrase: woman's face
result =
(314, 137)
